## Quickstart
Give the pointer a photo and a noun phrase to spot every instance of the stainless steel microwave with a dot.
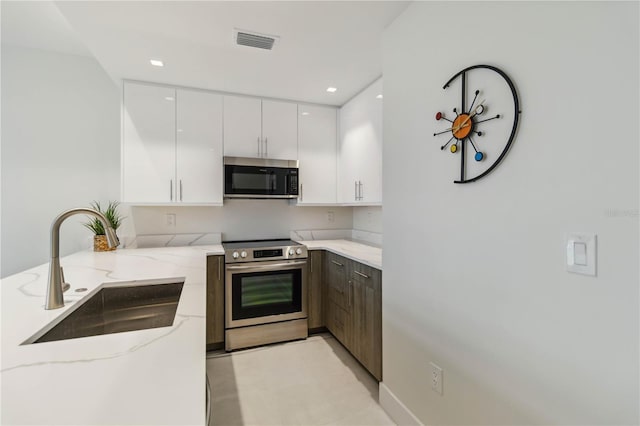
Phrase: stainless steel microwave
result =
(260, 178)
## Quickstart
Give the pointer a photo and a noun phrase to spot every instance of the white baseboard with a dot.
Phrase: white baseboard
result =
(398, 412)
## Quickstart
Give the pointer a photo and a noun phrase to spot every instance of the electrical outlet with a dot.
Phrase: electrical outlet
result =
(170, 219)
(330, 216)
(436, 378)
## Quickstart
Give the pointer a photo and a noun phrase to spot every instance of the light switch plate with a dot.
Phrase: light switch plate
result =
(581, 253)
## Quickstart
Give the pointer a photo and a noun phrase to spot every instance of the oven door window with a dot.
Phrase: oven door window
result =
(260, 294)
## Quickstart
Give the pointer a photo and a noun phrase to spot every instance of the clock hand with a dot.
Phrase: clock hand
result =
(476, 111)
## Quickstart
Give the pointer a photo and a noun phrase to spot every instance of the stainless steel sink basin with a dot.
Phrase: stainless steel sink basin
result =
(116, 308)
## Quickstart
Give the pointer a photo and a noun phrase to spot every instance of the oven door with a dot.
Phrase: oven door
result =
(265, 292)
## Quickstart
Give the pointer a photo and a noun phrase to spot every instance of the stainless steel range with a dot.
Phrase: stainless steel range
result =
(265, 292)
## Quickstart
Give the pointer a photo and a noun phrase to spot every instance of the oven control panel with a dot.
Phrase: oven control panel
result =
(266, 254)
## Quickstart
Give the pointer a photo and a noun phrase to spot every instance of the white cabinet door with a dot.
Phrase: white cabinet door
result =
(242, 126)
(317, 154)
(360, 148)
(371, 177)
(199, 147)
(279, 130)
(148, 149)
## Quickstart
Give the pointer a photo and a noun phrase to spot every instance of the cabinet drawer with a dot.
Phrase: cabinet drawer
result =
(339, 323)
(338, 295)
(367, 275)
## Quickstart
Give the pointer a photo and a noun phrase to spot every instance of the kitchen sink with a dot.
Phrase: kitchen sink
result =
(116, 308)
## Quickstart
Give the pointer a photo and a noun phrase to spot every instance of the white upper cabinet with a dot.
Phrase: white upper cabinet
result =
(260, 128)
(172, 145)
(360, 148)
(242, 126)
(280, 130)
(149, 145)
(317, 144)
(199, 147)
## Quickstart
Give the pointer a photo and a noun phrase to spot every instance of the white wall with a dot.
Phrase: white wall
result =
(241, 219)
(60, 149)
(474, 275)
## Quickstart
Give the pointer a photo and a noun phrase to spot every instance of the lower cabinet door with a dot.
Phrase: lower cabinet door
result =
(315, 291)
(367, 321)
(215, 300)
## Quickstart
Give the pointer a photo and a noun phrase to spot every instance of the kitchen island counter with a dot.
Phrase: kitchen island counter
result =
(143, 377)
(353, 250)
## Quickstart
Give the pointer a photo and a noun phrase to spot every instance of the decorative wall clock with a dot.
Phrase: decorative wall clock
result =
(491, 142)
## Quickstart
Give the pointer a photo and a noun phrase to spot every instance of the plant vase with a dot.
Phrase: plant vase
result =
(100, 243)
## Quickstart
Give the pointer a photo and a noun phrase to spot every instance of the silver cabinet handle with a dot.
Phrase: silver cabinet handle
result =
(337, 263)
(171, 190)
(180, 189)
(220, 268)
(259, 147)
(355, 191)
(361, 274)
(349, 292)
(360, 190)
(301, 193)
(266, 147)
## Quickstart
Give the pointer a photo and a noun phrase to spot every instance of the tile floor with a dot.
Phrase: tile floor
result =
(310, 382)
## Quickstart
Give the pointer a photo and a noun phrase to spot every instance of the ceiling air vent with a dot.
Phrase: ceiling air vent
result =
(253, 39)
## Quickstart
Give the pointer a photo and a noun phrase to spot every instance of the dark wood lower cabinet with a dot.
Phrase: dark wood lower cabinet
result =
(353, 312)
(315, 290)
(215, 302)
(343, 295)
(366, 316)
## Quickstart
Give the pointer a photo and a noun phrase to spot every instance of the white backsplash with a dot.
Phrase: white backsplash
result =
(372, 238)
(175, 240)
(366, 237)
(320, 234)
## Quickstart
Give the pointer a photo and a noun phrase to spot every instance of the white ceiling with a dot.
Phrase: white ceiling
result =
(322, 43)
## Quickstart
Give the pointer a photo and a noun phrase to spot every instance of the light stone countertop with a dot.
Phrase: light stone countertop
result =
(353, 250)
(144, 377)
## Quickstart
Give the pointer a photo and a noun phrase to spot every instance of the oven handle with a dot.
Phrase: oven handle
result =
(269, 266)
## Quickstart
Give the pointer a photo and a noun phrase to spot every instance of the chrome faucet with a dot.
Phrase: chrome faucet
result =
(57, 286)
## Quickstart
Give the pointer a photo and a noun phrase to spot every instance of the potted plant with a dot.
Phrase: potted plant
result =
(115, 220)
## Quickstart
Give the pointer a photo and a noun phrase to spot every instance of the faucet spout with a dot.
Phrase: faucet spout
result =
(56, 285)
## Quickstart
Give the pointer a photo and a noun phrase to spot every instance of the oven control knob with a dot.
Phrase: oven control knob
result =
(298, 251)
(235, 255)
(291, 252)
(243, 254)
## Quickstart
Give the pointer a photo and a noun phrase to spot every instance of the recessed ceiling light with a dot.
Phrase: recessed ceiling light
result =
(170, 98)
(379, 96)
(156, 63)
(331, 89)
(305, 113)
